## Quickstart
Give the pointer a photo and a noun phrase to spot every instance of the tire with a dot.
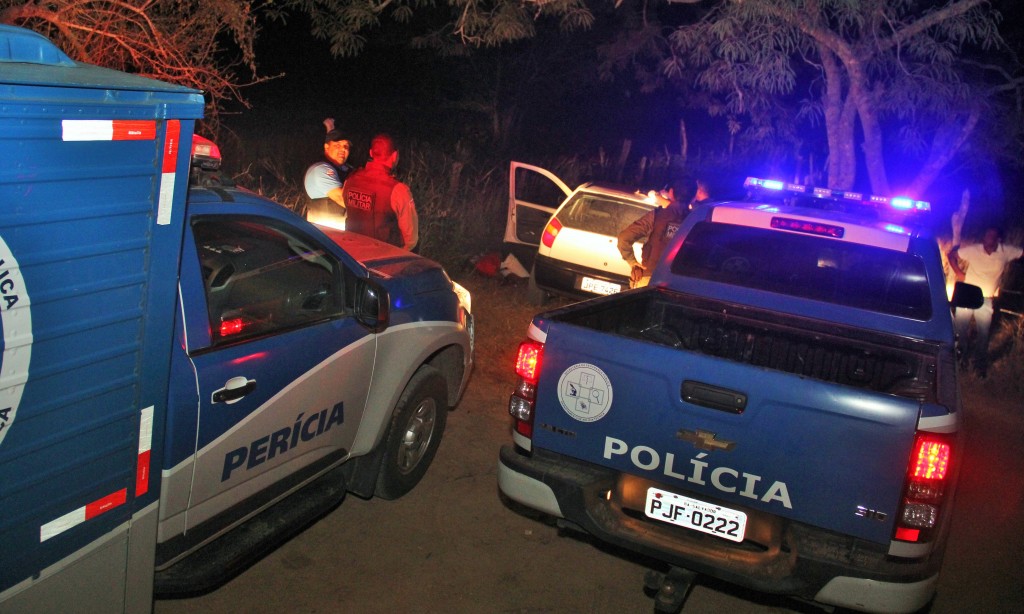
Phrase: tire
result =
(534, 295)
(414, 435)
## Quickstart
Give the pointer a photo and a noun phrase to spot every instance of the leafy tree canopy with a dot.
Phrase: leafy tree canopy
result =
(868, 79)
(883, 78)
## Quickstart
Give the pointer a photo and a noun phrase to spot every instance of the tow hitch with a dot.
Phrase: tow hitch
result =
(670, 589)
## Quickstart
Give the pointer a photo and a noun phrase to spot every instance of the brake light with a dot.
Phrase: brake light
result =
(528, 360)
(931, 460)
(814, 228)
(522, 403)
(205, 153)
(927, 472)
(550, 232)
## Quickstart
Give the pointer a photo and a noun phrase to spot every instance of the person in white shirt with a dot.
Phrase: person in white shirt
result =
(981, 264)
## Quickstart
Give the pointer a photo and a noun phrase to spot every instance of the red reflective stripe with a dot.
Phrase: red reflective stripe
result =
(134, 130)
(142, 474)
(106, 504)
(171, 145)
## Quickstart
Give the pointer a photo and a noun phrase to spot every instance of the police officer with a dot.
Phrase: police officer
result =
(657, 227)
(324, 179)
(379, 205)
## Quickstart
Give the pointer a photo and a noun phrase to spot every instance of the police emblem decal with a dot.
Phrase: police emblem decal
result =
(585, 392)
(16, 321)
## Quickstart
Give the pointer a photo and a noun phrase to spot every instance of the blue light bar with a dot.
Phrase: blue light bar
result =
(898, 204)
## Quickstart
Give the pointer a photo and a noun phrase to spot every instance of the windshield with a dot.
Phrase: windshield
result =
(842, 273)
(600, 214)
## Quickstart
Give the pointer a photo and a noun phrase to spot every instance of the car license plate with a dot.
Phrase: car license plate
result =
(697, 515)
(598, 286)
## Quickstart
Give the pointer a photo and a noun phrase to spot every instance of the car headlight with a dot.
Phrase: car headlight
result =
(465, 299)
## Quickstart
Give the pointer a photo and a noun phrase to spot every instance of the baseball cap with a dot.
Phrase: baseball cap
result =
(333, 136)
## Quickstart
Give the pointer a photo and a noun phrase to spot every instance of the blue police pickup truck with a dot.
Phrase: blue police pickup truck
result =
(779, 409)
(187, 376)
(308, 362)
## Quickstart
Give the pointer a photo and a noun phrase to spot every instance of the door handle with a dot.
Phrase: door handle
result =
(234, 389)
(714, 397)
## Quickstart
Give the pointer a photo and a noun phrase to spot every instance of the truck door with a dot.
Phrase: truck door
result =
(281, 369)
(533, 196)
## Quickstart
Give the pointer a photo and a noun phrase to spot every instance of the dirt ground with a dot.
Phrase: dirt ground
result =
(452, 545)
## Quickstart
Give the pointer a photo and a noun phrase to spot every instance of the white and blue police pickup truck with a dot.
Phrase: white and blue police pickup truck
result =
(779, 409)
(187, 376)
(308, 362)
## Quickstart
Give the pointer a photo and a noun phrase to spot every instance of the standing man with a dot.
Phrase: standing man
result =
(986, 262)
(324, 180)
(379, 205)
(656, 228)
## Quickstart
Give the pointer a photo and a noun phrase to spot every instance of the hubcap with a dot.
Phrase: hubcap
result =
(417, 436)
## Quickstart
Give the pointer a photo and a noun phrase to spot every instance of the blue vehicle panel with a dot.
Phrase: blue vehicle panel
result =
(93, 196)
(787, 419)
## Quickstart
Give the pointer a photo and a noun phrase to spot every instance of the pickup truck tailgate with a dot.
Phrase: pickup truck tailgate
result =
(795, 446)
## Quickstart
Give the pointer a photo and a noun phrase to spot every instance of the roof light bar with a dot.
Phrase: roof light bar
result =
(898, 204)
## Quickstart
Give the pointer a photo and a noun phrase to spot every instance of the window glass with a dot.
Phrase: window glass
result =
(805, 266)
(599, 214)
(260, 278)
(535, 188)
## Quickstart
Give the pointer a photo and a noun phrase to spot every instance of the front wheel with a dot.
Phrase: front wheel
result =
(415, 434)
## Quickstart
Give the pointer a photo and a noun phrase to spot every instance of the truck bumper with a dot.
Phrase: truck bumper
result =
(791, 559)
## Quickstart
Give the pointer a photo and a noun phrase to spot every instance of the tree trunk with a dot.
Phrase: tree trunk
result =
(840, 119)
(945, 145)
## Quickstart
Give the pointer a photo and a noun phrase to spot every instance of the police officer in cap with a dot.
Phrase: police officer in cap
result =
(325, 179)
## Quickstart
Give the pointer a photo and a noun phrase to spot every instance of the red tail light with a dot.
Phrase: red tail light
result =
(927, 472)
(523, 401)
(550, 232)
(528, 360)
(205, 153)
(931, 460)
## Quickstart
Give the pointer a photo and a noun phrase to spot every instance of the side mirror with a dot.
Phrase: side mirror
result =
(967, 296)
(371, 305)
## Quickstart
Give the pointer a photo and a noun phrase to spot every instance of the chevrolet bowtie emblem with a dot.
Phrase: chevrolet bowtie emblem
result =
(705, 440)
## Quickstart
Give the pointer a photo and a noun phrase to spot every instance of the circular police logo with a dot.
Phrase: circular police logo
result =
(16, 322)
(585, 392)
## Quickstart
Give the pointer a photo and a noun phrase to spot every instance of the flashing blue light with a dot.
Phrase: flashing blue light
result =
(901, 203)
(900, 230)
(771, 184)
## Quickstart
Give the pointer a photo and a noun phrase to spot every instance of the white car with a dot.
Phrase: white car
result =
(570, 235)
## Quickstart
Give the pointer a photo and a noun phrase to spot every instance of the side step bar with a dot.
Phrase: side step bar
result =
(234, 552)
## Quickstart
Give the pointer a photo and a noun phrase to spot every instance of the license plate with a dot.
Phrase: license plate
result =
(599, 286)
(697, 515)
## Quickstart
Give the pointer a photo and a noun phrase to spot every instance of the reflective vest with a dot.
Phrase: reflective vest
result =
(368, 201)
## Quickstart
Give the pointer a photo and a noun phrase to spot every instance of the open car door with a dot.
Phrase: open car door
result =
(533, 196)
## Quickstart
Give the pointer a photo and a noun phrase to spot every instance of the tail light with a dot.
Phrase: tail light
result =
(550, 232)
(205, 153)
(523, 400)
(928, 475)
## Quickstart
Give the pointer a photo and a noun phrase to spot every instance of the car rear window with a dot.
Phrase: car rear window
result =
(600, 214)
(838, 272)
